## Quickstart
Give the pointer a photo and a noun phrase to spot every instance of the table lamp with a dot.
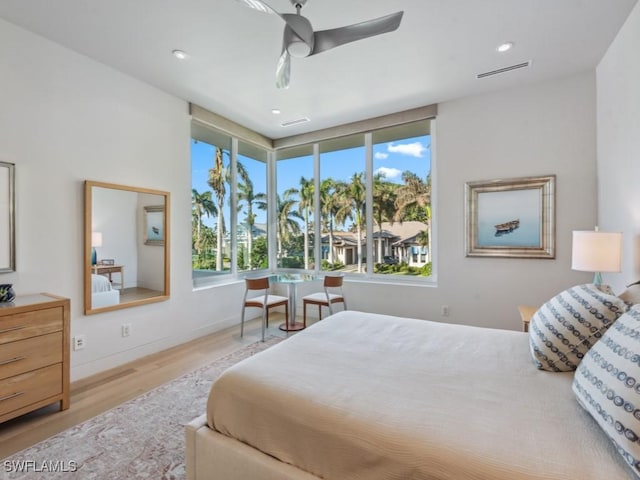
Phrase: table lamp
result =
(596, 251)
(96, 241)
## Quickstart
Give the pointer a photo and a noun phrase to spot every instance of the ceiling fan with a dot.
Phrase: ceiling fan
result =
(300, 40)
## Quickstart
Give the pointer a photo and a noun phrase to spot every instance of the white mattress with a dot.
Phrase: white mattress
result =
(364, 396)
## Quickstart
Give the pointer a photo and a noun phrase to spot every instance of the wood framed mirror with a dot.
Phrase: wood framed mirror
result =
(126, 246)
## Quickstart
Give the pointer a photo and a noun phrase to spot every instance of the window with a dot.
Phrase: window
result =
(251, 231)
(228, 204)
(358, 204)
(342, 204)
(295, 208)
(210, 204)
(402, 200)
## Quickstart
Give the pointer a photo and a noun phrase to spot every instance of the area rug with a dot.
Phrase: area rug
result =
(142, 438)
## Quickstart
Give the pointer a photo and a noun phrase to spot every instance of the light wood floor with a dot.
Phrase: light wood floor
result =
(99, 393)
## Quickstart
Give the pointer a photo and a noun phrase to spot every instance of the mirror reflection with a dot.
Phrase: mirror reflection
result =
(126, 246)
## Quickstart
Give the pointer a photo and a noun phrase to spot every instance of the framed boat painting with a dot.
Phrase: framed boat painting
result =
(511, 217)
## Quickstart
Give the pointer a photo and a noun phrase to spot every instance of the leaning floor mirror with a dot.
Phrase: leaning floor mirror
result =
(126, 246)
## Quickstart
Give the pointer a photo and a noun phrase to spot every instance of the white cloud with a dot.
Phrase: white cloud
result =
(380, 156)
(415, 149)
(389, 173)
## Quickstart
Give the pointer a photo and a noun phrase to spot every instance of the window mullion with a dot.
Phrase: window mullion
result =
(233, 205)
(368, 148)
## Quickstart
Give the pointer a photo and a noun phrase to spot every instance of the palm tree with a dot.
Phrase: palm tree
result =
(384, 208)
(305, 206)
(218, 178)
(414, 192)
(329, 206)
(355, 196)
(201, 205)
(423, 238)
(247, 194)
(286, 219)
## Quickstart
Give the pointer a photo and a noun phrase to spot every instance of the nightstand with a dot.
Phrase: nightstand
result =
(107, 270)
(526, 312)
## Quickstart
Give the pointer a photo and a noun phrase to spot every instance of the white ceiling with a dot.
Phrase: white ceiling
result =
(434, 56)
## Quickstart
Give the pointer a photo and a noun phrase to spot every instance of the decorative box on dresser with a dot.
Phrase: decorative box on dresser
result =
(34, 354)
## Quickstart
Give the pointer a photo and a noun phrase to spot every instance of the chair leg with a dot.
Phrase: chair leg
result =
(319, 312)
(304, 314)
(286, 317)
(242, 322)
(267, 317)
(264, 319)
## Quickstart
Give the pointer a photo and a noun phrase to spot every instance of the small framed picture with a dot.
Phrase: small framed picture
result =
(154, 225)
(107, 261)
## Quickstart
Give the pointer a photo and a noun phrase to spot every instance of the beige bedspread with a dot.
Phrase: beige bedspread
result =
(364, 396)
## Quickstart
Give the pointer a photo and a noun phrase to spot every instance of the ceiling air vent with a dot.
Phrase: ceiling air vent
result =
(294, 122)
(504, 70)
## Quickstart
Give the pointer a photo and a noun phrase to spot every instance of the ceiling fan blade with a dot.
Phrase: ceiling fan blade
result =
(327, 39)
(258, 5)
(283, 69)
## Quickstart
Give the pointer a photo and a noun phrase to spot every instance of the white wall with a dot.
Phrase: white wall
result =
(618, 77)
(66, 118)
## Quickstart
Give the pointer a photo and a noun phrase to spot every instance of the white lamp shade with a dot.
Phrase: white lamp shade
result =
(96, 239)
(595, 251)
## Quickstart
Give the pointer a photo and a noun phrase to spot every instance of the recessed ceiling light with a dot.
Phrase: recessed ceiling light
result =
(276, 111)
(505, 47)
(179, 54)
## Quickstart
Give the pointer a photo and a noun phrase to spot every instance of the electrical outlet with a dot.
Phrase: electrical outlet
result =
(79, 342)
(445, 310)
(126, 329)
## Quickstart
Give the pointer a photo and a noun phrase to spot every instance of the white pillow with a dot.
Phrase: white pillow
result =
(632, 294)
(607, 385)
(568, 325)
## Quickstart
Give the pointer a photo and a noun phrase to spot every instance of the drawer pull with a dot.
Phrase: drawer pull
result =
(12, 329)
(13, 395)
(12, 360)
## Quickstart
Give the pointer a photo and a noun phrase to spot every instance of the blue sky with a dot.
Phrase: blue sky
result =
(390, 158)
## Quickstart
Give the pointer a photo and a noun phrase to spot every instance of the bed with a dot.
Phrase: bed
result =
(102, 292)
(368, 396)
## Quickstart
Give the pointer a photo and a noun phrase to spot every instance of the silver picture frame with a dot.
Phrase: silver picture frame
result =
(512, 217)
(7, 218)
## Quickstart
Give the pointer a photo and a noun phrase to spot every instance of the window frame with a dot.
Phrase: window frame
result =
(291, 143)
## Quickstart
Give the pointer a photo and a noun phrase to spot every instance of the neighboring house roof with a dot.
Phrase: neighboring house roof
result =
(342, 239)
(403, 233)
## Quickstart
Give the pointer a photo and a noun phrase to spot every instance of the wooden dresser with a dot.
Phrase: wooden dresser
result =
(34, 354)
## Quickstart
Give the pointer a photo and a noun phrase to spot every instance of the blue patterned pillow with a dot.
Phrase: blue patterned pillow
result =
(607, 385)
(567, 326)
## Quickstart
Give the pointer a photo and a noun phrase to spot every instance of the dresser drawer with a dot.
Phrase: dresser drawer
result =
(30, 354)
(22, 390)
(29, 324)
